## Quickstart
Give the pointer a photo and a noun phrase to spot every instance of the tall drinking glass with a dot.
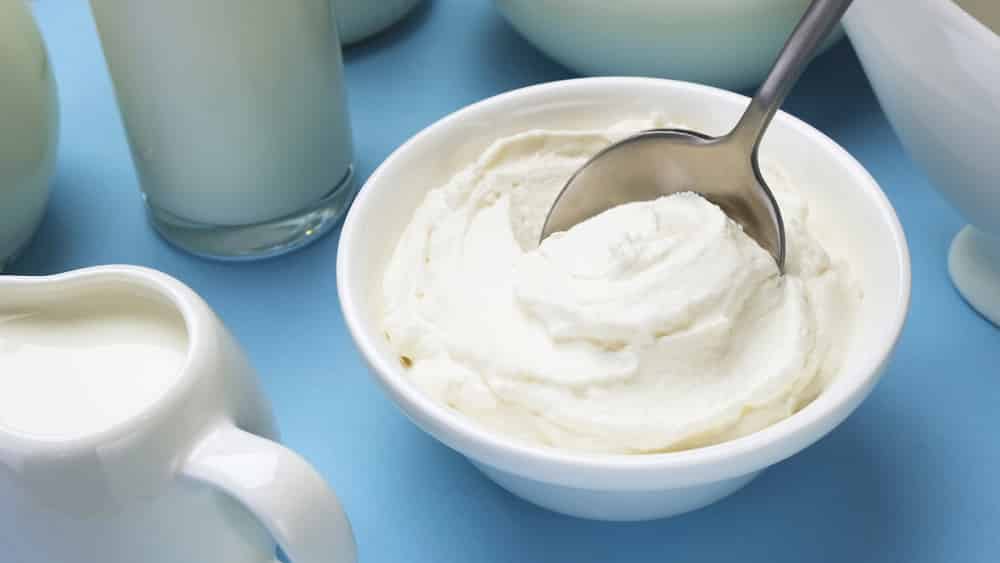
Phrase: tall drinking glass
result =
(236, 117)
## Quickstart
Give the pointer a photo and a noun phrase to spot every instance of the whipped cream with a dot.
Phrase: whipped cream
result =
(653, 326)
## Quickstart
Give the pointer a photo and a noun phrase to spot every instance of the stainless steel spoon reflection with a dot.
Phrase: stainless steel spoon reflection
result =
(723, 170)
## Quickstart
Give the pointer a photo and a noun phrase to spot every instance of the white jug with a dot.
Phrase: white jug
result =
(29, 125)
(935, 67)
(133, 430)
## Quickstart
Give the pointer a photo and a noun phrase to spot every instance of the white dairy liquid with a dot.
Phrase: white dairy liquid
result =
(986, 11)
(79, 369)
(235, 109)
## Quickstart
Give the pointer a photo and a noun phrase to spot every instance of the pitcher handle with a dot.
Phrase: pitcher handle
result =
(290, 498)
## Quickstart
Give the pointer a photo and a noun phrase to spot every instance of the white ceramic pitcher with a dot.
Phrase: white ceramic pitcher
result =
(935, 68)
(192, 475)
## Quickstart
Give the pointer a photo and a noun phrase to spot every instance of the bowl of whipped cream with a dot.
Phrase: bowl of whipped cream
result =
(648, 361)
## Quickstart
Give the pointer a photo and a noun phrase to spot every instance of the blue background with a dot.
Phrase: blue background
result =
(913, 476)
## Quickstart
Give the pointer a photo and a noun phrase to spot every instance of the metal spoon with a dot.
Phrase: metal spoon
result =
(723, 169)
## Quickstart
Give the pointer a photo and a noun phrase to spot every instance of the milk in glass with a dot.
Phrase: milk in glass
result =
(236, 117)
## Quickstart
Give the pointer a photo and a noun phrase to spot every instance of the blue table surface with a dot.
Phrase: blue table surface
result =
(913, 476)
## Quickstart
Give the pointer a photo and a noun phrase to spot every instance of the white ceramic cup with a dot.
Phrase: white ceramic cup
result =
(852, 217)
(196, 477)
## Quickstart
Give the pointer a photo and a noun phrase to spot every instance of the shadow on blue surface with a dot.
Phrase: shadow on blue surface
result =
(508, 59)
(843, 500)
(393, 34)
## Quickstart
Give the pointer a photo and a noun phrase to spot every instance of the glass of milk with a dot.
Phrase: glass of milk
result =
(236, 117)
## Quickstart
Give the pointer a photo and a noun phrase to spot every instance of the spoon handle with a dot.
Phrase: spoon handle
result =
(820, 18)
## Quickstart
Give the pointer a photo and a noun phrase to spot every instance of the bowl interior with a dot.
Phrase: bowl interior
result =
(851, 215)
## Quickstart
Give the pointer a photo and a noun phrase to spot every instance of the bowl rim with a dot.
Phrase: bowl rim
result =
(728, 459)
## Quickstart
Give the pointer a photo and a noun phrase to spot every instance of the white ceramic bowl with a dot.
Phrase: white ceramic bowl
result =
(718, 42)
(937, 74)
(854, 219)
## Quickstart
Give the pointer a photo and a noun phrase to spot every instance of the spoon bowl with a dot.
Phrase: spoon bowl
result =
(661, 162)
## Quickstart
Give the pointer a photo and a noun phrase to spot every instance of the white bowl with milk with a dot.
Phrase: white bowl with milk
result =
(29, 127)
(718, 42)
(935, 66)
(854, 220)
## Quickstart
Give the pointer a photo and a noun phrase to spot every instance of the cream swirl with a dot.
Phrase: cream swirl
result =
(654, 326)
